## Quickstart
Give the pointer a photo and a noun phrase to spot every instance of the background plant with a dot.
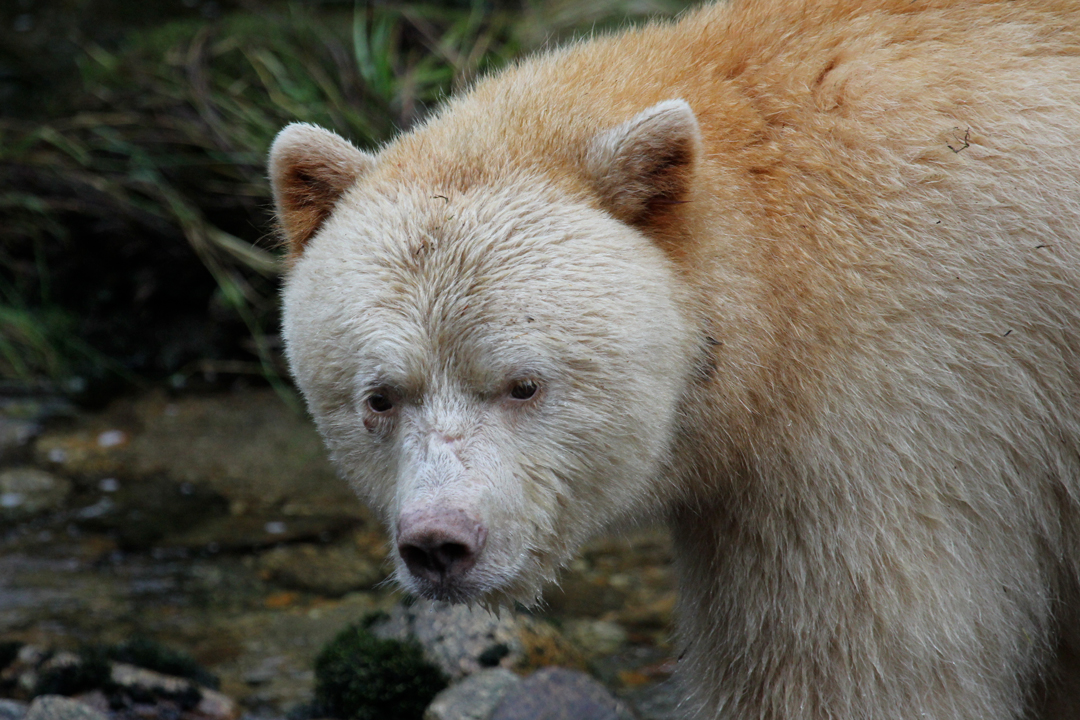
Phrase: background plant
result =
(136, 239)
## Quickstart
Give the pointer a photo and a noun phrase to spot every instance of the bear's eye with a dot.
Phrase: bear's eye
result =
(524, 390)
(380, 402)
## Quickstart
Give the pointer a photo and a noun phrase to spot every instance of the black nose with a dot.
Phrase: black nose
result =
(437, 561)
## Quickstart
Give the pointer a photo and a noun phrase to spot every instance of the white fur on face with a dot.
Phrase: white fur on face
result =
(441, 304)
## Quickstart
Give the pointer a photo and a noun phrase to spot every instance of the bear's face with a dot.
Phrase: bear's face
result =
(496, 370)
(497, 358)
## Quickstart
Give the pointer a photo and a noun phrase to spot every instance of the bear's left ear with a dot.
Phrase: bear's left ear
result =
(310, 168)
(646, 164)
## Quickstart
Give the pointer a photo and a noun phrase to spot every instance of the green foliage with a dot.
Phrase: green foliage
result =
(361, 677)
(138, 239)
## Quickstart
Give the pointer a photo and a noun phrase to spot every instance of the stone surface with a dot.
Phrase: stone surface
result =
(55, 707)
(15, 434)
(25, 492)
(12, 710)
(474, 698)
(357, 563)
(560, 694)
(597, 637)
(460, 639)
(249, 447)
(463, 640)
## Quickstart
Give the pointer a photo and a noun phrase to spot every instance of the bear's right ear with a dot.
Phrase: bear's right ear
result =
(310, 168)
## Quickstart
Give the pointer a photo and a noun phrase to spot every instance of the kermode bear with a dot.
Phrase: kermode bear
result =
(801, 277)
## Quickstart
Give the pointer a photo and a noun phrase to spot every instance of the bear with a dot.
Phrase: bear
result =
(800, 278)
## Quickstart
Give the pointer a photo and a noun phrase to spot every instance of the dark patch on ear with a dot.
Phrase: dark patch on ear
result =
(310, 168)
(645, 166)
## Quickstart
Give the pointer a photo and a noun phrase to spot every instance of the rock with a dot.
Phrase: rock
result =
(597, 637)
(210, 705)
(249, 447)
(474, 698)
(252, 531)
(561, 694)
(12, 710)
(463, 640)
(25, 492)
(460, 639)
(14, 436)
(545, 645)
(331, 570)
(585, 595)
(56, 707)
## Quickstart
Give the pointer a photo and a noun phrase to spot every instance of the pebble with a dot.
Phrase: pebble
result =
(56, 707)
(559, 694)
(474, 698)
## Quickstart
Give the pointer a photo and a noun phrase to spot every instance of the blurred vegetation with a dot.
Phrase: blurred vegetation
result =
(136, 236)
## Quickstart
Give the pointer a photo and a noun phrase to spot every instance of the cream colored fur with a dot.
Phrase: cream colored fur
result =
(801, 277)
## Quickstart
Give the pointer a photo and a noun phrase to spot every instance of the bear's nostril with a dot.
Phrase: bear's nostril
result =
(436, 561)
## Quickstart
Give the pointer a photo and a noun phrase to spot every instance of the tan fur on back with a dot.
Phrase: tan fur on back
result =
(872, 460)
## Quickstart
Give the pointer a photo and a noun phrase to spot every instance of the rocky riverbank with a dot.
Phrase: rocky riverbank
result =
(214, 525)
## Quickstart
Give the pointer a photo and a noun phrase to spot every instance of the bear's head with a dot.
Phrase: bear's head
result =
(496, 366)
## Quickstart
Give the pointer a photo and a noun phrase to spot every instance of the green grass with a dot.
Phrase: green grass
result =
(138, 240)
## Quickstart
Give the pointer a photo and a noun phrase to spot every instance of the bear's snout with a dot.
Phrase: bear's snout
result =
(440, 545)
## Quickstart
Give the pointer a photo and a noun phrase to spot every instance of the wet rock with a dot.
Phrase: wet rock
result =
(463, 640)
(253, 531)
(140, 513)
(597, 637)
(585, 595)
(23, 414)
(25, 492)
(15, 434)
(249, 447)
(330, 570)
(561, 694)
(474, 698)
(13, 710)
(55, 707)
(545, 645)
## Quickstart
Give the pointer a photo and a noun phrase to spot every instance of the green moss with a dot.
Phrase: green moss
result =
(91, 672)
(361, 677)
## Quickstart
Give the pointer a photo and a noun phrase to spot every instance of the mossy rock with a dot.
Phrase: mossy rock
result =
(145, 653)
(361, 677)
